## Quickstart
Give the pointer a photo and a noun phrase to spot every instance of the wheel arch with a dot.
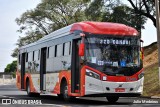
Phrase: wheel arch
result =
(63, 80)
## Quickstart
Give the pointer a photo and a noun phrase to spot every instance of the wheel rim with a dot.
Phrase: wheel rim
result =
(66, 92)
(28, 88)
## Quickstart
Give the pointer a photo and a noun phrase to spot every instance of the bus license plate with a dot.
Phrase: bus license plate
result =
(119, 89)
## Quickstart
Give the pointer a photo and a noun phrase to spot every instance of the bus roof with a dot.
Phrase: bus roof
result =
(93, 27)
(90, 27)
(104, 28)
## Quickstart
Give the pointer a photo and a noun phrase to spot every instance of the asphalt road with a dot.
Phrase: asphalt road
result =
(11, 93)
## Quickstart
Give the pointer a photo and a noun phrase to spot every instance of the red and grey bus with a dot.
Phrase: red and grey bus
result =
(99, 59)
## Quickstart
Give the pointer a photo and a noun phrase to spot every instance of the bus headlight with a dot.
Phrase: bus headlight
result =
(141, 75)
(92, 74)
(104, 78)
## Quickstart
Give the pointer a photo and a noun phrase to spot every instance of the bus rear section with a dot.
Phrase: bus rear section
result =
(104, 60)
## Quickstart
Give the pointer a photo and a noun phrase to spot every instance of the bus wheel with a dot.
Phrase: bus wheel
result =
(60, 96)
(65, 95)
(28, 89)
(112, 99)
(29, 93)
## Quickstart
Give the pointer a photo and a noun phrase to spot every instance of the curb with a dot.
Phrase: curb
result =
(156, 97)
(153, 97)
(145, 96)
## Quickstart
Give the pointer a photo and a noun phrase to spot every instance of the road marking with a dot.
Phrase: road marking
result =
(3, 96)
(55, 105)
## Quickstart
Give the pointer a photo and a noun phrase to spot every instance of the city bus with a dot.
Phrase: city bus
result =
(94, 59)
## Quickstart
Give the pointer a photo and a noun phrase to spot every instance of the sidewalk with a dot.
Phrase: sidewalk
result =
(153, 97)
(156, 97)
(7, 81)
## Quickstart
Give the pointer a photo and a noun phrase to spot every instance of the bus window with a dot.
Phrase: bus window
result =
(33, 56)
(48, 52)
(59, 50)
(55, 52)
(19, 59)
(67, 48)
(30, 57)
(51, 51)
(26, 57)
(36, 55)
(63, 49)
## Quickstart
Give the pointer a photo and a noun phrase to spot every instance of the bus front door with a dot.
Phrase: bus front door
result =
(43, 69)
(22, 69)
(75, 67)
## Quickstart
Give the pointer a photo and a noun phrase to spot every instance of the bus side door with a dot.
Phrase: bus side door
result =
(75, 67)
(43, 69)
(23, 57)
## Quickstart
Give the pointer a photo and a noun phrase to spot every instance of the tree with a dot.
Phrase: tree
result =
(51, 15)
(32, 19)
(98, 8)
(114, 11)
(47, 17)
(15, 53)
(145, 8)
(11, 67)
(94, 10)
(126, 15)
(30, 38)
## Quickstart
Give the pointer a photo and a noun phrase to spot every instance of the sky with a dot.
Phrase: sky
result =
(11, 9)
(149, 34)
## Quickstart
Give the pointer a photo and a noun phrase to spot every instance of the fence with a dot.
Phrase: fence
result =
(6, 79)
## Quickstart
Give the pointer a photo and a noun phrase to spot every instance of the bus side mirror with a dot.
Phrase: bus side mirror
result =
(81, 49)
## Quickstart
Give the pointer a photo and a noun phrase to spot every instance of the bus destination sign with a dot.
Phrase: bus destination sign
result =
(118, 41)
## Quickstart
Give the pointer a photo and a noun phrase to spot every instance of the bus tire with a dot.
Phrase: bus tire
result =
(112, 99)
(30, 94)
(60, 96)
(64, 91)
(28, 89)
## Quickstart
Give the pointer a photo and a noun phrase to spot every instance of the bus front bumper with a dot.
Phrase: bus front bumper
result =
(107, 88)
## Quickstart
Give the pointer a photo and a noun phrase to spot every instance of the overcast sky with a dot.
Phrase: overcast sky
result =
(11, 9)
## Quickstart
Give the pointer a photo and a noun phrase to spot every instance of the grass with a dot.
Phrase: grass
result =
(150, 48)
(151, 81)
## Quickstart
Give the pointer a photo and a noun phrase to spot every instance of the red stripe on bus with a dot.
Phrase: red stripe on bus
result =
(117, 78)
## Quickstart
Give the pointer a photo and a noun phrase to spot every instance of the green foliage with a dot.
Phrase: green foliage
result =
(11, 67)
(114, 11)
(15, 53)
(145, 8)
(97, 9)
(30, 38)
(94, 11)
(47, 17)
(14, 74)
(126, 15)
(151, 81)
(51, 15)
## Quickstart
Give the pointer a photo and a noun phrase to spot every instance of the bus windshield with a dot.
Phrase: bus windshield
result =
(113, 55)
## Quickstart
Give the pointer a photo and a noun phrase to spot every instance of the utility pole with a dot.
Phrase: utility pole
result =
(158, 33)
